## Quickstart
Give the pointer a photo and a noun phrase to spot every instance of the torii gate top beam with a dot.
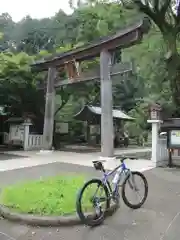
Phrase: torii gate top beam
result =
(123, 38)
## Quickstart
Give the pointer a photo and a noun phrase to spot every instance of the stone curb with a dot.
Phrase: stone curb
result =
(45, 221)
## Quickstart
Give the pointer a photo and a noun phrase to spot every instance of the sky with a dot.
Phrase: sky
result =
(35, 8)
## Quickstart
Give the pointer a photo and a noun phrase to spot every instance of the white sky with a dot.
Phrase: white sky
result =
(35, 8)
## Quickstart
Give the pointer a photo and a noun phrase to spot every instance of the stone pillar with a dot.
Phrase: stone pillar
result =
(155, 140)
(26, 135)
(155, 115)
(107, 144)
(49, 111)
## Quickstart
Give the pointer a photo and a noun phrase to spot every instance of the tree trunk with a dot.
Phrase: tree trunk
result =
(173, 68)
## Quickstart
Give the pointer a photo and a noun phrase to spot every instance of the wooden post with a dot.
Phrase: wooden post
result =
(107, 146)
(49, 111)
(170, 158)
(87, 132)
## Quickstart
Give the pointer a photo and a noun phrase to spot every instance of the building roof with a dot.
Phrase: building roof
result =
(15, 120)
(123, 38)
(170, 124)
(116, 113)
(87, 113)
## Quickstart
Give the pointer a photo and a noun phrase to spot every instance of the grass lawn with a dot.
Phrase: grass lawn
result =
(52, 196)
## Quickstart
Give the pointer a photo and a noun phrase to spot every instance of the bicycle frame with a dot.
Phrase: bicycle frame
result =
(124, 170)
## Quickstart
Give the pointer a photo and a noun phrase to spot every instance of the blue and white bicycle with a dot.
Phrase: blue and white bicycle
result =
(102, 192)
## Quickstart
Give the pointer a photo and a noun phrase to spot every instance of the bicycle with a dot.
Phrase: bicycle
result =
(111, 191)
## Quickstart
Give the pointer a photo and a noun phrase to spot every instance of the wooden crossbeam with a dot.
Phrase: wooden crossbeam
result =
(94, 74)
(91, 75)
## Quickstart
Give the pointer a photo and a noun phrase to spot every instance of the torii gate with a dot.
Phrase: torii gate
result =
(71, 60)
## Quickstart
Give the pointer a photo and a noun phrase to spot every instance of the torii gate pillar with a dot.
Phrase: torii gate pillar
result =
(107, 131)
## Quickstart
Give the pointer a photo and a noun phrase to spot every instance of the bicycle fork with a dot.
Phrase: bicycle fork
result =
(131, 182)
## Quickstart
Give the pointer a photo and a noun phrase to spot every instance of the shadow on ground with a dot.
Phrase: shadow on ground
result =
(8, 156)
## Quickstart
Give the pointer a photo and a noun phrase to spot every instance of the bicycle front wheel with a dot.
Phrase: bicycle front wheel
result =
(140, 192)
(91, 205)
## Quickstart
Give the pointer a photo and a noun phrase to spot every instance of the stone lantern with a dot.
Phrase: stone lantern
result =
(155, 112)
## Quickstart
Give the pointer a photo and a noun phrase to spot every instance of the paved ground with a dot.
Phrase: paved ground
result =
(34, 158)
(37, 172)
(158, 219)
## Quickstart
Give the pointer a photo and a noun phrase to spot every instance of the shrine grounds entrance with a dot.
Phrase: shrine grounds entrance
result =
(70, 62)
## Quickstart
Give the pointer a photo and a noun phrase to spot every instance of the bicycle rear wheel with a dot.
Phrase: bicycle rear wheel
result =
(130, 181)
(96, 216)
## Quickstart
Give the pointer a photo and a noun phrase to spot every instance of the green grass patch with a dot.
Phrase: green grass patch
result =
(52, 196)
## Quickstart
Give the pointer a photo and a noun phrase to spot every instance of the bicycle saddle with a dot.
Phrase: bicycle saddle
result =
(98, 165)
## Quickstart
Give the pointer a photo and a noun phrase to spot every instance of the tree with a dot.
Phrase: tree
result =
(36, 41)
(33, 35)
(137, 129)
(151, 69)
(18, 92)
(127, 91)
(6, 27)
(166, 16)
(64, 28)
(100, 19)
